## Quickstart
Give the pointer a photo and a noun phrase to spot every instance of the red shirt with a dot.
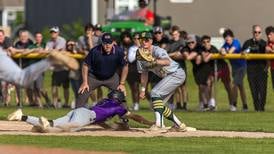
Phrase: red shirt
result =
(271, 45)
(144, 14)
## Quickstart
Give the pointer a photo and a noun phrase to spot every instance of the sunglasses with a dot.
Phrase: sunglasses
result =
(136, 38)
(145, 40)
(191, 42)
(158, 33)
(257, 32)
(107, 43)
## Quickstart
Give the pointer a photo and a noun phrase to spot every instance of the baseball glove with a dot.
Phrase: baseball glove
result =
(144, 55)
(120, 126)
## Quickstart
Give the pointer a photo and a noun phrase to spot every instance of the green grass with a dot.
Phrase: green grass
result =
(221, 95)
(159, 145)
(237, 121)
(220, 120)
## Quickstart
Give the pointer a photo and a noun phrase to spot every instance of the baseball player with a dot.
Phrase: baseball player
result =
(80, 117)
(11, 72)
(155, 59)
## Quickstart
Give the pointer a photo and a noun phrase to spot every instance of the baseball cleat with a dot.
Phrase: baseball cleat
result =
(63, 59)
(176, 128)
(44, 123)
(158, 128)
(16, 115)
(39, 129)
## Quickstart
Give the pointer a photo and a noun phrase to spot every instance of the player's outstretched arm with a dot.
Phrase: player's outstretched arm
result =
(139, 119)
(104, 125)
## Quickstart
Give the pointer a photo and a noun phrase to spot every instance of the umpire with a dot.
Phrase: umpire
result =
(100, 67)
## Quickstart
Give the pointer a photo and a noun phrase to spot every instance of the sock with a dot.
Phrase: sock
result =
(24, 118)
(51, 123)
(212, 102)
(158, 107)
(170, 116)
(32, 120)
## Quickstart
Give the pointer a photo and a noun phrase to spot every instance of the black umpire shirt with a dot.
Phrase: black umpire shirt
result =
(102, 65)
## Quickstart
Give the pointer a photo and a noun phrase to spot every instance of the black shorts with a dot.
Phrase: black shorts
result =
(201, 75)
(133, 75)
(60, 78)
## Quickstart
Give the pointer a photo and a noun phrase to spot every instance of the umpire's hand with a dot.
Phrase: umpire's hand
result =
(84, 86)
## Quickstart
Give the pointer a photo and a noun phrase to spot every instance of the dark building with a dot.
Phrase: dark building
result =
(46, 13)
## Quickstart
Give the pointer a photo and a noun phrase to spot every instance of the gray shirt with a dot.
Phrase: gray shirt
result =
(58, 44)
(83, 45)
(161, 71)
(176, 45)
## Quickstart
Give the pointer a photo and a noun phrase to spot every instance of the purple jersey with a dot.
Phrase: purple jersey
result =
(108, 108)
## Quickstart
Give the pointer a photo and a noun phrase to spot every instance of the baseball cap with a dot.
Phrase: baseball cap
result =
(157, 29)
(54, 29)
(98, 27)
(107, 38)
(146, 35)
(191, 38)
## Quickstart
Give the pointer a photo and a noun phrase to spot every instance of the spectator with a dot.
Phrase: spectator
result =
(133, 78)
(207, 50)
(87, 41)
(175, 45)
(270, 48)
(98, 30)
(74, 75)
(201, 70)
(99, 69)
(38, 86)
(221, 72)
(159, 39)
(23, 43)
(257, 69)
(143, 13)
(126, 41)
(60, 75)
(232, 46)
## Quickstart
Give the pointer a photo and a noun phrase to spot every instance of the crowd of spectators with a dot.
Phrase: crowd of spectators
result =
(180, 46)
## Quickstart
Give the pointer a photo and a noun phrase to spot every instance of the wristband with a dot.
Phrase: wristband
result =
(122, 82)
(143, 89)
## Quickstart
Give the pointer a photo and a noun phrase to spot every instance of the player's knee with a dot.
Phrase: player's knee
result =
(155, 94)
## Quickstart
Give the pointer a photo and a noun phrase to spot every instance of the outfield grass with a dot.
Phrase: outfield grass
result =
(159, 145)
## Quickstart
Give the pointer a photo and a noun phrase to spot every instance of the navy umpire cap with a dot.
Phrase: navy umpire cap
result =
(107, 38)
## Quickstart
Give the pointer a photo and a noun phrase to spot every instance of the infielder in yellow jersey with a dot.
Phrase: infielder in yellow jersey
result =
(155, 59)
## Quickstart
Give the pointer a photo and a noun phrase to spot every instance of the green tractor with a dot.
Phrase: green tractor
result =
(116, 26)
(119, 26)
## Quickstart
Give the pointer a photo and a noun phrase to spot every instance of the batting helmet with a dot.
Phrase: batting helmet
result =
(118, 95)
